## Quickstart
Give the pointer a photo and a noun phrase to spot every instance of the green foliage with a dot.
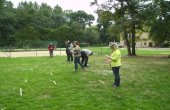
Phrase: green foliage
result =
(91, 35)
(7, 24)
(81, 17)
(1, 4)
(30, 21)
(58, 17)
(157, 16)
(104, 22)
(160, 31)
(27, 33)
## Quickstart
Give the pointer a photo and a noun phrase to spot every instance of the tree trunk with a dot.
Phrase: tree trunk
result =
(133, 40)
(127, 42)
(124, 30)
(132, 27)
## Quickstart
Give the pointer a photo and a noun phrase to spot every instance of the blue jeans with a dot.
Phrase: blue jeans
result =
(76, 62)
(117, 76)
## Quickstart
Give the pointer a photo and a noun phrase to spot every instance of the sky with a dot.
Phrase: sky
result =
(74, 5)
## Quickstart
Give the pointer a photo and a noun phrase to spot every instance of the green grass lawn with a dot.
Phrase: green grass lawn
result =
(139, 51)
(145, 84)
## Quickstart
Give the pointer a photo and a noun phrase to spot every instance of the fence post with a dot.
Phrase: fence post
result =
(60, 51)
(10, 51)
(36, 52)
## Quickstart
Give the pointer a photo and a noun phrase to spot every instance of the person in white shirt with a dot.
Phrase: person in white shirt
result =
(71, 49)
(85, 53)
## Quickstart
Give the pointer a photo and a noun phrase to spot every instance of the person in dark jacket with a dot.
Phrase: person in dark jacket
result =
(67, 50)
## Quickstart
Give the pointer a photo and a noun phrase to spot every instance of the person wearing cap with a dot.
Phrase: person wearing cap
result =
(115, 62)
(77, 55)
(51, 49)
(85, 53)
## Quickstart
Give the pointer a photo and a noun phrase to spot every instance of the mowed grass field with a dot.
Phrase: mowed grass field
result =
(51, 83)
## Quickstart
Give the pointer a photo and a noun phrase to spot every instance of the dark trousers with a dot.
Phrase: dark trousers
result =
(76, 62)
(116, 75)
(51, 53)
(69, 56)
(84, 59)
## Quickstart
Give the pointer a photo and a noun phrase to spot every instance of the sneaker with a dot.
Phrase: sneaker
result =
(114, 85)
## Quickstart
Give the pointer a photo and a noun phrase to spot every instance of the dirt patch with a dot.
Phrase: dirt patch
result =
(31, 54)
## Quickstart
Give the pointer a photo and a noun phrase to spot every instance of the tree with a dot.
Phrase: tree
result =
(91, 35)
(158, 19)
(58, 17)
(1, 4)
(30, 21)
(81, 17)
(104, 22)
(77, 31)
(7, 24)
(127, 17)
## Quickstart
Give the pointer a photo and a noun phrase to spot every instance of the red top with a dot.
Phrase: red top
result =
(51, 47)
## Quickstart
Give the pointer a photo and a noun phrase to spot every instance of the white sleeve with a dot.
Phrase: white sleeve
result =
(88, 52)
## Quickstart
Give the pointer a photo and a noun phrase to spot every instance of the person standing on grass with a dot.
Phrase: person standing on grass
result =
(77, 55)
(85, 53)
(51, 49)
(70, 47)
(115, 61)
(67, 50)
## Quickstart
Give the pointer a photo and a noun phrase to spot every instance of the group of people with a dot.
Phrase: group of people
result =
(73, 50)
(114, 59)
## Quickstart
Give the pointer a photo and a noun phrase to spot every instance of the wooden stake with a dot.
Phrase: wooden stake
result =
(102, 82)
(20, 91)
(54, 82)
